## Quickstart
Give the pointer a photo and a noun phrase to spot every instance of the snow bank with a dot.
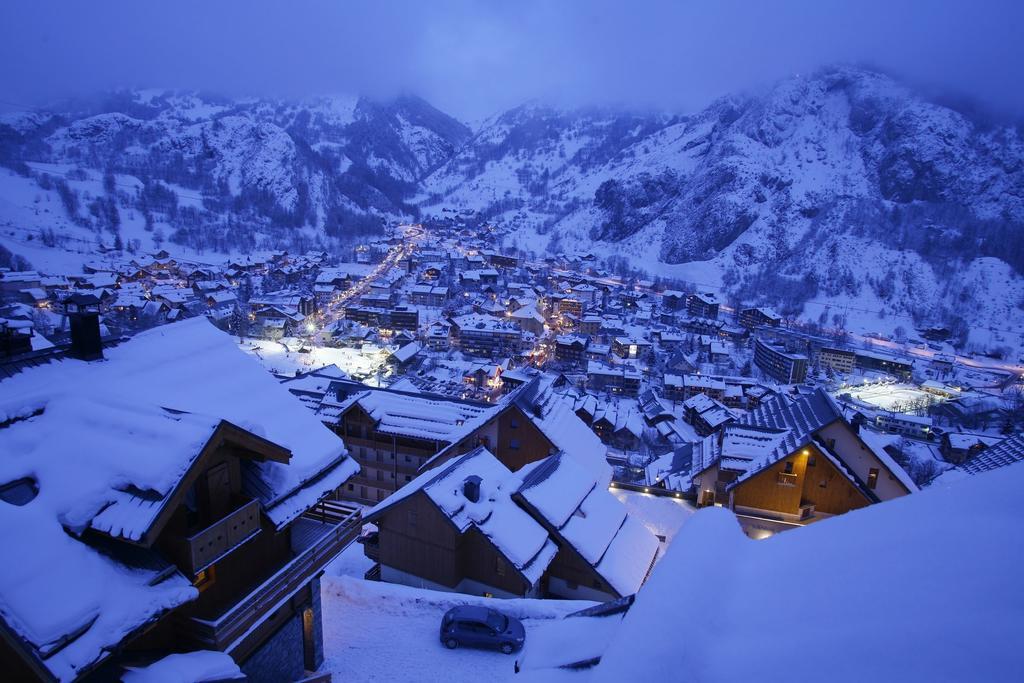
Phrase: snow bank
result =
(921, 588)
(193, 667)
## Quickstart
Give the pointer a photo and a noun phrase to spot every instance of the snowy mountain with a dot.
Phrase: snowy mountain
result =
(338, 165)
(845, 187)
(844, 195)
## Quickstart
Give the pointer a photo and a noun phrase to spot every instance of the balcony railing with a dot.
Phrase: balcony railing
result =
(220, 538)
(786, 479)
(226, 631)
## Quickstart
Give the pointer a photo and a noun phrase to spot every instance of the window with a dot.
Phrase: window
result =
(872, 477)
(811, 461)
(513, 444)
(205, 578)
(408, 477)
(412, 518)
(789, 467)
(351, 487)
(513, 423)
(823, 484)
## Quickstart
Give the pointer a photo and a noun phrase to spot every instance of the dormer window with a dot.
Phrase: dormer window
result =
(20, 491)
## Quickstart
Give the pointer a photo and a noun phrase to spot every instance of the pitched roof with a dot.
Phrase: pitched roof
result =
(576, 505)
(105, 444)
(517, 536)
(1004, 453)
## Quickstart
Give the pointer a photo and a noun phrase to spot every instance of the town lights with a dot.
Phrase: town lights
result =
(310, 328)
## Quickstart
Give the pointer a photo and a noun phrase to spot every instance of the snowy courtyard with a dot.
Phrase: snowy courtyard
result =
(284, 357)
(362, 617)
(385, 632)
(890, 396)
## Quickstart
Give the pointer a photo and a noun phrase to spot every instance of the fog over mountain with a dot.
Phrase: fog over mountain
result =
(475, 59)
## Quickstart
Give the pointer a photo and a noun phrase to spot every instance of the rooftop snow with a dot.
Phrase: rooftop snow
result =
(106, 442)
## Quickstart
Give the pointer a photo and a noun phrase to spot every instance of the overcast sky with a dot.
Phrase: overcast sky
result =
(475, 58)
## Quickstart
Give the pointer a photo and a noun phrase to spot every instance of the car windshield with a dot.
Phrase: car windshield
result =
(497, 621)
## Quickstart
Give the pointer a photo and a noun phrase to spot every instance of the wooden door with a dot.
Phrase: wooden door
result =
(218, 490)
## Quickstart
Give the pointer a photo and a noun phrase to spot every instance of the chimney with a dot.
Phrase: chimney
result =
(857, 422)
(471, 488)
(83, 311)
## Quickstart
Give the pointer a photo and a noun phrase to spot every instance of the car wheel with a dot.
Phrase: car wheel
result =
(451, 643)
(506, 648)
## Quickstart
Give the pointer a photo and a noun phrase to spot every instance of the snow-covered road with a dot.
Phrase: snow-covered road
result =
(384, 632)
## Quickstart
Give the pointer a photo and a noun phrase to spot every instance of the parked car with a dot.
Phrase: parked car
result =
(481, 627)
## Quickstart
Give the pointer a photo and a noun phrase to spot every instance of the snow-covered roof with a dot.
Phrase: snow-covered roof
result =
(187, 367)
(423, 417)
(102, 445)
(199, 666)
(577, 504)
(517, 536)
(554, 415)
(799, 418)
(1004, 453)
(919, 637)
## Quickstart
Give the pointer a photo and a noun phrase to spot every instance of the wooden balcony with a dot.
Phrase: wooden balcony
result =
(786, 479)
(226, 632)
(220, 538)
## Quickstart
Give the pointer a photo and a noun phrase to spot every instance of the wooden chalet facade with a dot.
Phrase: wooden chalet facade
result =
(791, 463)
(458, 528)
(188, 531)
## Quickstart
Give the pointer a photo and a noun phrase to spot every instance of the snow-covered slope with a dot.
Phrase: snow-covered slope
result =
(337, 165)
(843, 186)
(844, 195)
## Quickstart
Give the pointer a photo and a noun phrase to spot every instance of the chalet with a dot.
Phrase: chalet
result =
(285, 300)
(590, 325)
(706, 414)
(1006, 452)
(279, 321)
(437, 336)
(673, 388)
(702, 305)
(959, 447)
(404, 318)
(202, 544)
(404, 356)
(712, 387)
(391, 434)
(533, 422)
(630, 347)
(472, 526)
(758, 317)
(484, 335)
(699, 325)
(15, 337)
(673, 300)
(428, 295)
(620, 379)
(570, 306)
(794, 462)
(529, 319)
(571, 348)
(501, 260)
